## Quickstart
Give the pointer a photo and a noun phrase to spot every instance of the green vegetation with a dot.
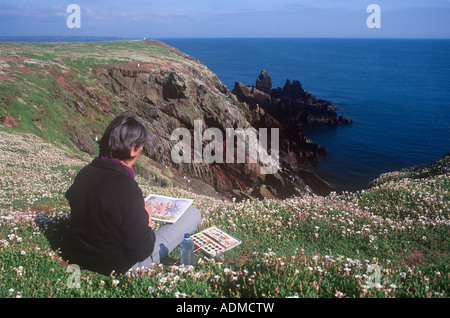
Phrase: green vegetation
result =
(388, 241)
(300, 247)
(49, 88)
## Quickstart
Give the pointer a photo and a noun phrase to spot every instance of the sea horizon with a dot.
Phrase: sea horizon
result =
(118, 38)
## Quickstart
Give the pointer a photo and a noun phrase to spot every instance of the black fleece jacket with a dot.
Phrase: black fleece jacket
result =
(109, 228)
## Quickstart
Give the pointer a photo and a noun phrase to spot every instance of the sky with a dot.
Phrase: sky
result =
(227, 18)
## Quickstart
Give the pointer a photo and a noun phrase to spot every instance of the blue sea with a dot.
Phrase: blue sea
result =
(397, 91)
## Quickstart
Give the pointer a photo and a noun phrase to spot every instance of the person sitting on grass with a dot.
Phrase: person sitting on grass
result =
(110, 226)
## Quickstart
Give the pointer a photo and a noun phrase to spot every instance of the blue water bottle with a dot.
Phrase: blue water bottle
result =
(187, 251)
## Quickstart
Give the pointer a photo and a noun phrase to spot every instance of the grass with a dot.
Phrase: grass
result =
(388, 241)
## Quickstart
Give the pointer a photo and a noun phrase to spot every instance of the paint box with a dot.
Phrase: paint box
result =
(213, 241)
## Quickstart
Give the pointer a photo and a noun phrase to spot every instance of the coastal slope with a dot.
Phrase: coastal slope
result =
(67, 93)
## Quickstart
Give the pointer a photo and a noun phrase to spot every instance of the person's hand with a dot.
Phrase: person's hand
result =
(149, 211)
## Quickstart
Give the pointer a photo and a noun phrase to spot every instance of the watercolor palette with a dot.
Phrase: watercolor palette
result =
(214, 241)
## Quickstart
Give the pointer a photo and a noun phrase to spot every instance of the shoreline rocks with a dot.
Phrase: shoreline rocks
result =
(291, 109)
(290, 104)
(175, 99)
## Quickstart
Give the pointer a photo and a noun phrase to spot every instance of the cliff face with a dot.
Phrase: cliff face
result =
(171, 98)
(174, 97)
(170, 90)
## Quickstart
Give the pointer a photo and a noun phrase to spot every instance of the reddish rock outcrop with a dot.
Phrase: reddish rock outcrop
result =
(175, 98)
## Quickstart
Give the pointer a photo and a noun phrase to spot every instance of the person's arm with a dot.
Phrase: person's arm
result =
(138, 236)
(149, 211)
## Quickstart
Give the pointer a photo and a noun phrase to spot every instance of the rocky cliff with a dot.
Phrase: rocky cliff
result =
(290, 109)
(168, 90)
(291, 104)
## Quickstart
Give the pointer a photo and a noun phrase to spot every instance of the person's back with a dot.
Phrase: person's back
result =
(109, 225)
(110, 228)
